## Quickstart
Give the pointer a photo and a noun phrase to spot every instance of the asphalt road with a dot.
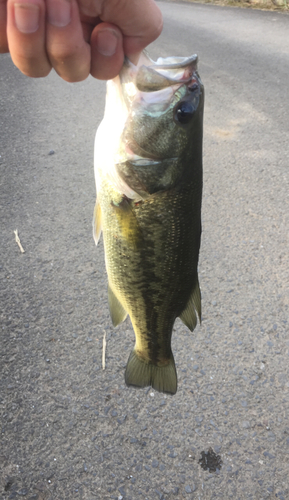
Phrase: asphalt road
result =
(70, 430)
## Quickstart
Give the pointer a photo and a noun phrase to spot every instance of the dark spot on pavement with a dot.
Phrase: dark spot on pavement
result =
(210, 461)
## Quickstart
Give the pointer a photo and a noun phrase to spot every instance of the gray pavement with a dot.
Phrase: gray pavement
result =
(70, 430)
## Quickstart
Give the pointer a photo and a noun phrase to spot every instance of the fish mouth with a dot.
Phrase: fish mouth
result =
(154, 81)
(151, 76)
(153, 86)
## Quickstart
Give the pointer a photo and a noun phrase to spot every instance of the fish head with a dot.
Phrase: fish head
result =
(164, 101)
(163, 128)
(154, 117)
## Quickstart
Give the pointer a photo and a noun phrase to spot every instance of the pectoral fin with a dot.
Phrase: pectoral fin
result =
(117, 312)
(129, 225)
(96, 223)
(192, 309)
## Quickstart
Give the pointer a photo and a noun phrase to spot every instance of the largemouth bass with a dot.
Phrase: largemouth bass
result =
(148, 170)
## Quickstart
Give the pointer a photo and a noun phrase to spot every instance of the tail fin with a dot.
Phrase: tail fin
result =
(141, 374)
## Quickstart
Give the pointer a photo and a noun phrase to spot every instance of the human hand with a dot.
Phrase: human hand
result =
(76, 37)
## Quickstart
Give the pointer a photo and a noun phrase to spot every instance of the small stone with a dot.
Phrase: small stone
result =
(51, 152)
(188, 489)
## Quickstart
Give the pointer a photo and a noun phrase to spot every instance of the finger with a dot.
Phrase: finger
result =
(67, 49)
(139, 21)
(26, 36)
(3, 21)
(106, 51)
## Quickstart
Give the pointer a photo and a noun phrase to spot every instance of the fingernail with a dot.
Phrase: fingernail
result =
(59, 12)
(107, 42)
(26, 17)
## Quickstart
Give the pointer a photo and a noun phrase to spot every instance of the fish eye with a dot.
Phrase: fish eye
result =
(184, 112)
(193, 87)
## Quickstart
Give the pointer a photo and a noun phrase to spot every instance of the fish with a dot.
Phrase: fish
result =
(148, 172)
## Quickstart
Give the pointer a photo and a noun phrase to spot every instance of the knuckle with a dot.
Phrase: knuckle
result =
(72, 65)
(35, 73)
(35, 67)
(74, 78)
(62, 53)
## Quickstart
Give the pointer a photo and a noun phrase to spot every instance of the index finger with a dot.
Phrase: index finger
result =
(140, 21)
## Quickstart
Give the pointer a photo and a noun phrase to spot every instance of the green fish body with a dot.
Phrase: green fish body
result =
(148, 168)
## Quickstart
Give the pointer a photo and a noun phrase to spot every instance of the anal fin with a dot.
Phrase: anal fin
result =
(117, 311)
(138, 373)
(192, 309)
